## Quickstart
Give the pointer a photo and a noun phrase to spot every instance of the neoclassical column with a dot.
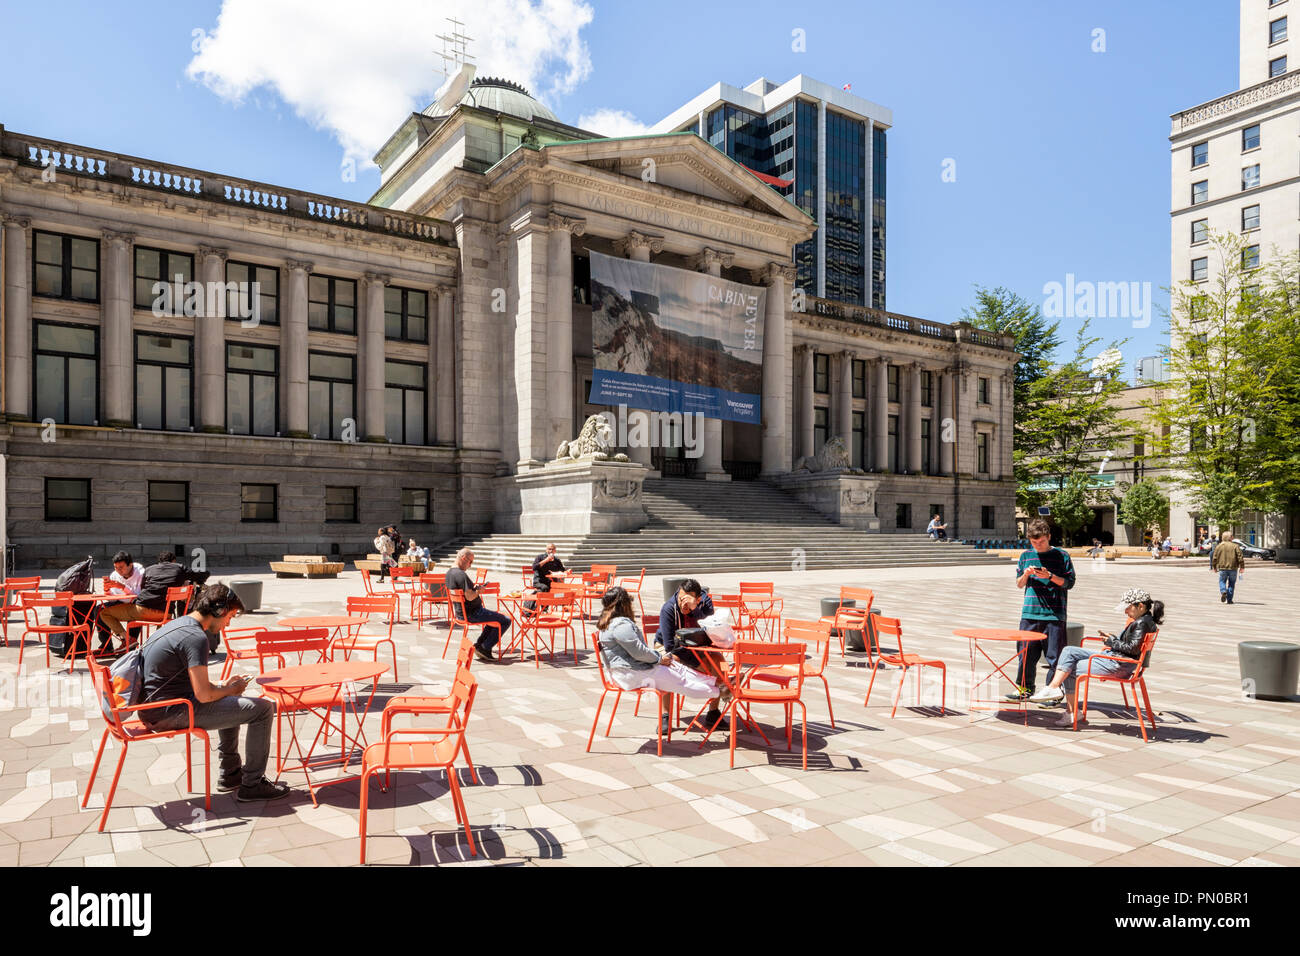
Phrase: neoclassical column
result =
(559, 330)
(807, 438)
(637, 247)
(844, 404)
(442, 363)
(293, 350)
(776, 443)
(947, 422)
(115, 341)
(713, 261)
(210, 342)
(1006, 426)
(914, 418)
(372, 357)
(17, 318)
(880, 431)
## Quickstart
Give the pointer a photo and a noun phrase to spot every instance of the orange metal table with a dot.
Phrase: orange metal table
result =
(336, 621)
(289, 686)
(1003, 636)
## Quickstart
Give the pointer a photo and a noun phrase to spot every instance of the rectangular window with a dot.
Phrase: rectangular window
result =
(66, 374)
(1199, 308)
(1201, 230)
(65, 267)
(404, 403)
(581, 280)
(892, 379)
(257, 294)
(902, 515)
(1200, 269)
(1200, 154)
(1277, 30)
(926, 450)
(982, 390)
(169, 501)
(1250, 257)
(341, 504)
(1250, 177)
(859, 440)
(987, 518)
(331, 393)
(859, 378)
(406, 315)
(1250, 138)
(927, 390)
(893, 444)
(1276, 67)
(982, 453)
(164, 382)
(332, 304)
(1200, 192)
(1249, 218)
(821, 419)
(67, 499)
(257, 503)
(821, 373)
(252, 389)
(415, 505)
(161, 265)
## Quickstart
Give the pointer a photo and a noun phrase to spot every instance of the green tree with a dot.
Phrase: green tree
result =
(1144, 505)
(1072, 505)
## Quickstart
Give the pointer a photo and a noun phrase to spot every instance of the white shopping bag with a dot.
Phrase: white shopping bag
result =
(718, 627)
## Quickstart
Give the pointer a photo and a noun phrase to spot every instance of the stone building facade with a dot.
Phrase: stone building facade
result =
(414, 352)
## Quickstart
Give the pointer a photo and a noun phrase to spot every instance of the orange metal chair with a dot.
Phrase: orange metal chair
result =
(112, 709)
(755, 656)
(12, 589)
(460, 619)
(241, 645)
(762, 608)
(354, 640)
(32, 602)
(182, 595)
(811, 632)
(430, 592)
(734, 604)
(290, 647)
(618, 692)
(526, 572)
(633, 587)
(892, 627)
(1136, 680)
(403, 579)
(438, 752)
(554, 613)
(415, 705)
(853, 618)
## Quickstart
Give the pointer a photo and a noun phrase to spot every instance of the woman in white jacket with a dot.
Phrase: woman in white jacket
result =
(632, 664)
(384, 545)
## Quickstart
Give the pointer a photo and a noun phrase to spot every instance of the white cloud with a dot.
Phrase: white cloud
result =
(609, 122)
(357, 69)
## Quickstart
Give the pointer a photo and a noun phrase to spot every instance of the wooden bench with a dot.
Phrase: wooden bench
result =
(372, 564)
(306, 566)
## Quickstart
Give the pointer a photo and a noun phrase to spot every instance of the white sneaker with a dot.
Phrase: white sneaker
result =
(1067, 720)
(1046, 695)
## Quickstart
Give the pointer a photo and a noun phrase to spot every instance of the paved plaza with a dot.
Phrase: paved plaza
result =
(1220, 785)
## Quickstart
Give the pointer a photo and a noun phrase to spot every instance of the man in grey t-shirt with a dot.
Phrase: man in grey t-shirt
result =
(175, 666)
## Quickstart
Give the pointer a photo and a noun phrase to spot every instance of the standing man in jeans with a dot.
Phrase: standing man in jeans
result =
(1228, 560)
(1046, 574)
(174, 662)
(457, 579)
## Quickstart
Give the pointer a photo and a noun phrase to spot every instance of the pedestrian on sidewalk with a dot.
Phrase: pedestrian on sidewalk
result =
(1228, 560)
(1046, 574)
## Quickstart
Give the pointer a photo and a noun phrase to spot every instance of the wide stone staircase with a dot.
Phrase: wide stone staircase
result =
(697, 527)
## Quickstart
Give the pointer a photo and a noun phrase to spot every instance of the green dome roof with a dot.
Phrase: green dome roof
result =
(502, 96)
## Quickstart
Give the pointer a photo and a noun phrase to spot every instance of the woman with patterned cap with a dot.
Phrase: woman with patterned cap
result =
(1144, 616)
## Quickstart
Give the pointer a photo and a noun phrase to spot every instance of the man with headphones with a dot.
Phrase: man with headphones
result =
(174, 662)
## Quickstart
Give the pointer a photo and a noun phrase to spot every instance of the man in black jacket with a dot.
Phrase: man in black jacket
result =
(151, 603)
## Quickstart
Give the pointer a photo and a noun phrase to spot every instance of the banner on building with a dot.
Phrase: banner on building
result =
(670, 340)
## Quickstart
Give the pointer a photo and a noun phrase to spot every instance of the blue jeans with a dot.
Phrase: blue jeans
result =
(1074, 659)
(1227, 583)
(226, 716)
(1033, 650)
(489, 636)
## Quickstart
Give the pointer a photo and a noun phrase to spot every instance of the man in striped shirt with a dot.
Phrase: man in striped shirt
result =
(1046, 574)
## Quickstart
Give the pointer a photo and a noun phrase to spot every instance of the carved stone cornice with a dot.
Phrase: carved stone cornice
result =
(295, 265)
(444, 288)
(113, 235)
(710, 257)
(638, 240)
(382, 278)
(222, 254)
(558, 221)
(22, 222)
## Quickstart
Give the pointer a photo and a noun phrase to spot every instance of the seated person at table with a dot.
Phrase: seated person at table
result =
(174, 663)
(936, 529)
(457, 579)
(150, 603)
(543, 566)
(127, 573)
(632, 664)
(1144, 615)
(687, 608)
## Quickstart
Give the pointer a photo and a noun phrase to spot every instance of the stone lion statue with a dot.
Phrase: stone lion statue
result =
(834, 456)
(593, 442)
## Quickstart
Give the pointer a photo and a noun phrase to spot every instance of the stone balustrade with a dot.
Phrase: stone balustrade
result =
(1274, 88)
(961, 332)
(76, 160)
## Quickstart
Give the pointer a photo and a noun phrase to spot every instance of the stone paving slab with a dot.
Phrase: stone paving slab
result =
(1218, 786)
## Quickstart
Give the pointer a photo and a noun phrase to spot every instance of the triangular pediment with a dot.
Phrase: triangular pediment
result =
(680, 161)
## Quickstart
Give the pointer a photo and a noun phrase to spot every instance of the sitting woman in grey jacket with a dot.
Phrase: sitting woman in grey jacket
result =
(632, 664)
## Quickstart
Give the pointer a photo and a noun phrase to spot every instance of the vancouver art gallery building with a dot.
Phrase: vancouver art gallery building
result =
(419, 359)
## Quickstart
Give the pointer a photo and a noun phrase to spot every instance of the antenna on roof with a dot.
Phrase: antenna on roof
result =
(453, 47)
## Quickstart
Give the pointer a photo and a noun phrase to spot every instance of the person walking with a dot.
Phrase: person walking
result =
(1046, 574)
(384, 545)
(1228, 560)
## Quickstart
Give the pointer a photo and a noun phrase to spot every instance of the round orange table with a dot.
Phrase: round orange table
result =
(1003, 636)
(336, 621)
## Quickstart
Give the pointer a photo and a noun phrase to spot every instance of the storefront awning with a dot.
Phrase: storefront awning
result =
(1053, 484)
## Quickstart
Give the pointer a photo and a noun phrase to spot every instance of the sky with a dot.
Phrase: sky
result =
(1029, 146)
